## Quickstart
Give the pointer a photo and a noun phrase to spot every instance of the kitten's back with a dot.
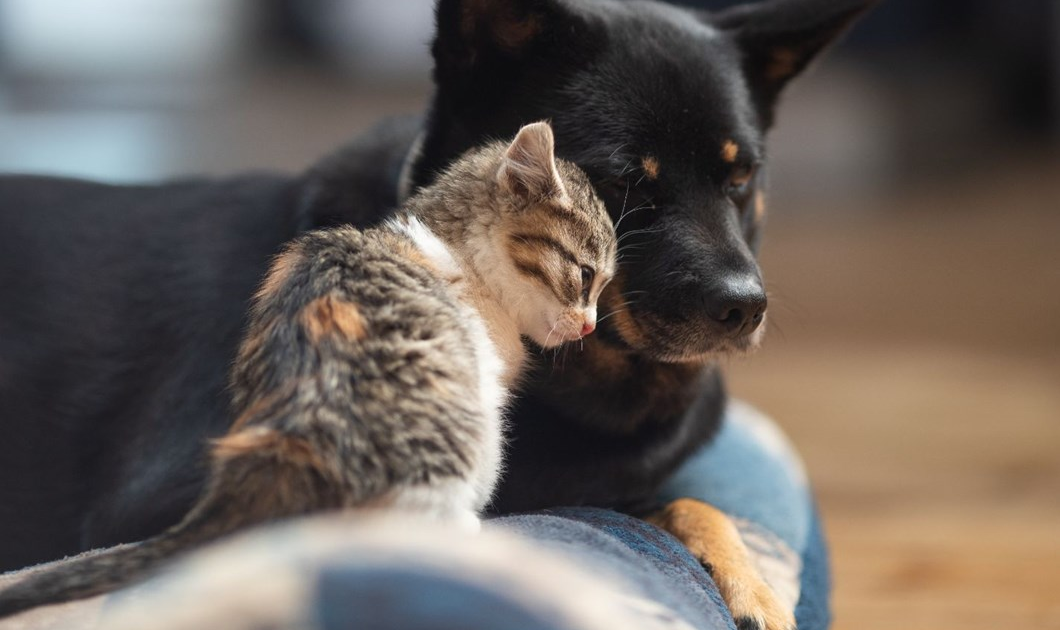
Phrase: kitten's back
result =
(377, 353)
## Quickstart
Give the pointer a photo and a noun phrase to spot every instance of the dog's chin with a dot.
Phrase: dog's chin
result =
(681, 342)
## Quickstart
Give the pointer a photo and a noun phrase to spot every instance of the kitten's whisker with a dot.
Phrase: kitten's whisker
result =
(555, 353)
(549, 336)
(559, 358)
(636, 232)
(622, 213)
(617, 309)
(625, 213)
(641, 231)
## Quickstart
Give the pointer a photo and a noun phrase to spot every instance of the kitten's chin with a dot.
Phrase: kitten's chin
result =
(550, 341)
(552, 335)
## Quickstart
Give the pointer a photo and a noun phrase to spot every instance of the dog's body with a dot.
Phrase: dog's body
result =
(120, 311)
(121, 308)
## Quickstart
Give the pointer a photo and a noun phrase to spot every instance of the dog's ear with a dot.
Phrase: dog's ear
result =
(479, 32)
(779, 38)
(528, 169)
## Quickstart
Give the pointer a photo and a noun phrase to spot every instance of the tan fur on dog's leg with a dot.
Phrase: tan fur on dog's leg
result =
(714, 540)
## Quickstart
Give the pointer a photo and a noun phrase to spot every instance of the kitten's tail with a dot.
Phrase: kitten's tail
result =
(258, 475)
(103, 572)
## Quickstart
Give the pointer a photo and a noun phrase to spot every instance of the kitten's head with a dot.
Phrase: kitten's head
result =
(556, 241)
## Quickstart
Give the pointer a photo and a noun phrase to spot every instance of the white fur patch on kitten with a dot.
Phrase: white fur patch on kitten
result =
(493, 393)
(429, 245)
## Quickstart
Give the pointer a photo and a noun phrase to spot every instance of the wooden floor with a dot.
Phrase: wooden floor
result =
(915, 360)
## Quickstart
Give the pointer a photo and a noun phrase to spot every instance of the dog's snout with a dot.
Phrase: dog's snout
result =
(738, 304)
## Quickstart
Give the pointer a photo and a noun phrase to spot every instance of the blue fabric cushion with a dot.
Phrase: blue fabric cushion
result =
(403, 598)
(749, 471)
(652, 564)
(558, 569)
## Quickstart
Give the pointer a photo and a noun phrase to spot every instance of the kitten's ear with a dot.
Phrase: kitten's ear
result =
(779, 38)
(528, 169)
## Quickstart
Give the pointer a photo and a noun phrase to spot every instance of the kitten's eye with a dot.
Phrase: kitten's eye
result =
(587, 280)
(738, 184)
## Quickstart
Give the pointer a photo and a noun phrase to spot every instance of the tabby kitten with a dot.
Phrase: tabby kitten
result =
(377, 363)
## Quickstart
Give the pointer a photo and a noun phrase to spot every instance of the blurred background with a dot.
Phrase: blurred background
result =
(912, 255)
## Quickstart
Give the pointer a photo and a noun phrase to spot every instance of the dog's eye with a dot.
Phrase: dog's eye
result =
(738, 184)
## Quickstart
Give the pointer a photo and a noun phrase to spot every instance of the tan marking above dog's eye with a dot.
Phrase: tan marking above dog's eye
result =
(729, 151)
(782, 64)
(650, 165)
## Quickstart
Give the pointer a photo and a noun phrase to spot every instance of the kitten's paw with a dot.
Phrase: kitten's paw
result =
(713, 539)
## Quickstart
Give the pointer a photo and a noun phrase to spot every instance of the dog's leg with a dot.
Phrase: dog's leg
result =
(714, 540)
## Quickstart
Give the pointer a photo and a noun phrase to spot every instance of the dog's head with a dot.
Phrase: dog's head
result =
(665, 109)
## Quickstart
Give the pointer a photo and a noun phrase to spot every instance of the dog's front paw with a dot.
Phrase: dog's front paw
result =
(710, 535)
(753, 604)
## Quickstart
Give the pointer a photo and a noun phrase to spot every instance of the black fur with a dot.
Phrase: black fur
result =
(622, 81)
(121, 307)
(120, 313)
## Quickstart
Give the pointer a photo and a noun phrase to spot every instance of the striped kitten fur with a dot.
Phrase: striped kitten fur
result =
(376, 363)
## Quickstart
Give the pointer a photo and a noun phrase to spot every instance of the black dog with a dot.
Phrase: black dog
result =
(666, 109)
(121, 307)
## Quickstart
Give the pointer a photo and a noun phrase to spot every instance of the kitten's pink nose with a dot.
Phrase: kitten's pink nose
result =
(588, 327)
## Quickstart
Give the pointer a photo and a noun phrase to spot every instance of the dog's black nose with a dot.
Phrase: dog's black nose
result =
(738, 304)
